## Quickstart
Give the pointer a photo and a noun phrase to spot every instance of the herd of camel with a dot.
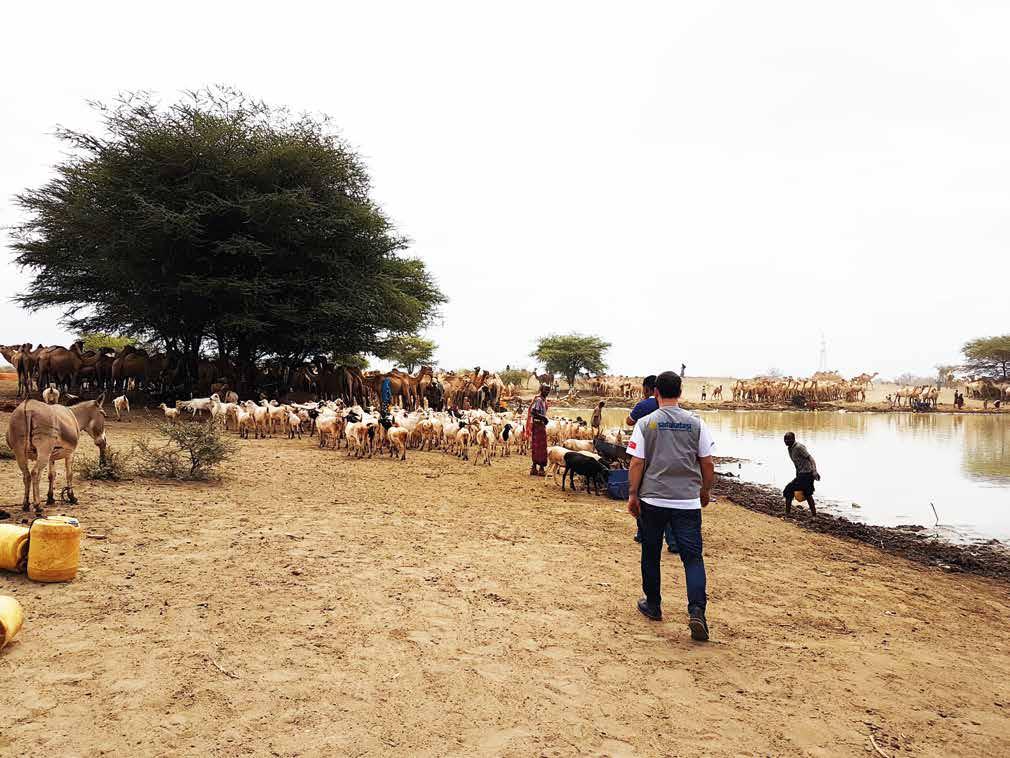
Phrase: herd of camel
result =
(820, 387)
(74, 368)
(823, 387)
(130, 368)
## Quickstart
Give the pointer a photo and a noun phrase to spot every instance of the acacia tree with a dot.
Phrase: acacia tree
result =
(988, 357)
(570, 354)
(409, 351)
(356, 360)
(220, 220)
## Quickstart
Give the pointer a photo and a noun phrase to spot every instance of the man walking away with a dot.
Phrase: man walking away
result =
(643, 408)
(806, 474)
(669, 483)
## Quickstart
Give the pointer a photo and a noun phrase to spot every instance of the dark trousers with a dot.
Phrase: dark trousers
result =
(670, 540)
(802, 482)
(686, 525)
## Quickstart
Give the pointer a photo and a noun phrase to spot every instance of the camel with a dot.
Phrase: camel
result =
(403, 387)
(406, 388)
(8, 352)
(49, 433)
(546, 378)
(331, 382)
(982, 389)
(26, 361)
(1003, 387)
(425, 376)
(864, 379)
(60, 366)
(909, 394)
(131, 363)
(492, 390)
(12, 354)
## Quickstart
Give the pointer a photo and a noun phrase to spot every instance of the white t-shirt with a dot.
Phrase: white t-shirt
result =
(636, 447)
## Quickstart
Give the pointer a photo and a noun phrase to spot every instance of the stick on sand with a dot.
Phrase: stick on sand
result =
(877, 748)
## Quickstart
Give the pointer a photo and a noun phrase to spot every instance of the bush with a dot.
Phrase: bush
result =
(515, 376)
(113, 468)
(189, 451)
(6, 454)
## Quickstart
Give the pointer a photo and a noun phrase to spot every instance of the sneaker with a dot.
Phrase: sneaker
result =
(653, 612)
(697, 623)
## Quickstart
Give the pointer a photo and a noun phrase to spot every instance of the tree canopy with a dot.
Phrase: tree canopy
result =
(409, 351)
(571, 354)
(988, 357)
(356, 360)
(220, 219)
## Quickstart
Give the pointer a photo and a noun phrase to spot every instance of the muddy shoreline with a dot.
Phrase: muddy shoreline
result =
(990, 559)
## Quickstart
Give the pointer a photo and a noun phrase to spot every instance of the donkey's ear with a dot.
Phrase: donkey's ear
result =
(100, 400)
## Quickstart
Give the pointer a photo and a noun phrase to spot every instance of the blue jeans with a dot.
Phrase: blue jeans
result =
(670, 540)
(686, 526)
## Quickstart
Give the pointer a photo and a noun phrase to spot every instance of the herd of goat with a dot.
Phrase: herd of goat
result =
(472, 434)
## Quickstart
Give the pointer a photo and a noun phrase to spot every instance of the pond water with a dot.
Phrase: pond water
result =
(882, 468)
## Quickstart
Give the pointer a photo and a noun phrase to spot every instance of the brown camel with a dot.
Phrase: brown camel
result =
(28, 367)
(131, 363)
(12, 354)
(60, 366)
(404, 393)
(407, 388)
(425, 376)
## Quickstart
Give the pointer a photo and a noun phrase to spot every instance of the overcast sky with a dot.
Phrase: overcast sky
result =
(715, 183)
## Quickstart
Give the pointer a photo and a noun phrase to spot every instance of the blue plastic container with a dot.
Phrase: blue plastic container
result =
(617, 484)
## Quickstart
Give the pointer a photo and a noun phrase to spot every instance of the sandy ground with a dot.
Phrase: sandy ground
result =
(310, 604)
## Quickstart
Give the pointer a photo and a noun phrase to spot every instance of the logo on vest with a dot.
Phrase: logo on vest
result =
(677, 426)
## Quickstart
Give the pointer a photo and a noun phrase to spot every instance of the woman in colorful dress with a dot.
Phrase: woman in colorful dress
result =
(536, 427)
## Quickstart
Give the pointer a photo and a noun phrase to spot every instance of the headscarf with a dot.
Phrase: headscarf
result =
(542, 409)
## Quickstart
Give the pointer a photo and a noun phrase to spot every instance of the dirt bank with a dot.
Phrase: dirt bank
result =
(313, 605)
(986, 559)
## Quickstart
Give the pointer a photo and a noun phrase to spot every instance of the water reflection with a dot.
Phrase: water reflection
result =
(987, 449)
(892, 466)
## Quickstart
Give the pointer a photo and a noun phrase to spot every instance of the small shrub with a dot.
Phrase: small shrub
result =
(515, 376)
(6, 454)
(189, 451)
(113, 468)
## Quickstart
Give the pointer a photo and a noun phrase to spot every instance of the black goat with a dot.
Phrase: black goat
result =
(586, 466)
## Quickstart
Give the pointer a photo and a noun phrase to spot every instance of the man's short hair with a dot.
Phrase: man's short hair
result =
(669, 385)
(649, 382)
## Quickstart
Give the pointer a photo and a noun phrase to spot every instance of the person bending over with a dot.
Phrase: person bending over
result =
(806, 474)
